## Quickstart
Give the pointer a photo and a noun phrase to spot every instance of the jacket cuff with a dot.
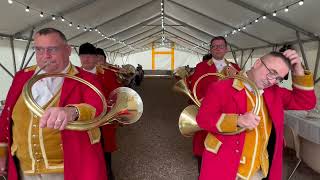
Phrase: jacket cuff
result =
(3, 149)
(303, 82)
(227, 123)
(86, 111)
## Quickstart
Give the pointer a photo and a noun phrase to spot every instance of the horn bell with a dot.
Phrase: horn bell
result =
(187, 121)
(181, 86)
(128, 106)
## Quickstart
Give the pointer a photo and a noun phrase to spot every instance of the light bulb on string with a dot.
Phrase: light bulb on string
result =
(274, 13)
(27, 9)
(286, 9)
(53, 17)
(301, 3)
(41, 14)
(10, 1)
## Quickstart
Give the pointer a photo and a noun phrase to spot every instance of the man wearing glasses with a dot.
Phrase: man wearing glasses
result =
(228, 105)
(216, 63)
(33, 147)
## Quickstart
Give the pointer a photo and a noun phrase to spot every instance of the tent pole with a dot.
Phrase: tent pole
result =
(29, 60)
(13, 55)
(247, 59)
(27, 48)
(302, 51)
(316, 66)
(5, 69)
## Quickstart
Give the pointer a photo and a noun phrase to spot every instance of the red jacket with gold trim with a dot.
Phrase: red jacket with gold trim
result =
(82, 160)
(109, 82)
(219, 111)
(201, 69)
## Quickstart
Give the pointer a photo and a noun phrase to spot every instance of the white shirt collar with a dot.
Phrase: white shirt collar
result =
(249, 87)
(94, 70)
(220, 64)
(44, 89)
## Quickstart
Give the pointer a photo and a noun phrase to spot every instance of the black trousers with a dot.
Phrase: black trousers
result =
(199, 159)
(107, 157)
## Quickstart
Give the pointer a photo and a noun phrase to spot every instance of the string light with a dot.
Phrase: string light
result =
(301, 3)
(162, 23)
(272, 13)
(286, 9)
(54, 17)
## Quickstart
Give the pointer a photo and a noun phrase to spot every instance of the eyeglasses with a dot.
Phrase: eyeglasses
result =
(222, 46)
(50, 50)
(272, 74)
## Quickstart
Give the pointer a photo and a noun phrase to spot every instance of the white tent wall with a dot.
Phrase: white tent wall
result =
(162, 62)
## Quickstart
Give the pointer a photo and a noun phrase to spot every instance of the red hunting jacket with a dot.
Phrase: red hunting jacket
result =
(109, 82)
(201, 69)
(224, 101)
(82, 160)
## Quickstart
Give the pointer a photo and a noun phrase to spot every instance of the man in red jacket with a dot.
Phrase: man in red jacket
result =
(108, 77)
(228, 106)
(39, 147)
(91, 61)
(214, 63)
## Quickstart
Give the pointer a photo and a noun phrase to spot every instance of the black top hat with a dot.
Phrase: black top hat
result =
(99, 51)
(87, 48)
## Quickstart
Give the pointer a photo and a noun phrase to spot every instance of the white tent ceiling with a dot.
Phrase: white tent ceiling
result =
(188, 23)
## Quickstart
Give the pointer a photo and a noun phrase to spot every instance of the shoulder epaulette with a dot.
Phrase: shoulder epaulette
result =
(30, 68)
(100, 69)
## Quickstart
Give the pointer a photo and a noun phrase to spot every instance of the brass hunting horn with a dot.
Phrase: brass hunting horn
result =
(187, 120)
(127, 107)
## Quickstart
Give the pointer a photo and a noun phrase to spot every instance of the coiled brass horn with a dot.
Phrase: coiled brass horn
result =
(187, 120)
(181, 86)
(127, 109)
(181, 72)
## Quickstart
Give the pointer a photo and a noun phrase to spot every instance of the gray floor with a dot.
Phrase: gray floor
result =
(153, 149)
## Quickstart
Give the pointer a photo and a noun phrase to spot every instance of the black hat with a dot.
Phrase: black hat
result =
(100, 51)
(87, 48)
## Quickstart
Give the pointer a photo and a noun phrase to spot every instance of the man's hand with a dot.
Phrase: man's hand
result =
(295, 60)
(248, 120)
(58, 117)
(3, 166)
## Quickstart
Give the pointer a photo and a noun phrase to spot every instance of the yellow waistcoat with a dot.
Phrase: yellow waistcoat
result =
(39, 150)
(255, 154)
